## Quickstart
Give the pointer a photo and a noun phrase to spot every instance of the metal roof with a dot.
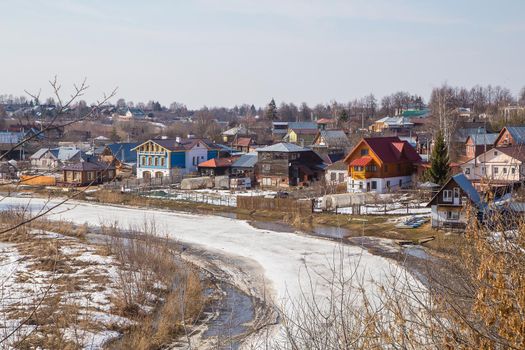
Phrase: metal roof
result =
(247, 160)
(283, 147)
(517, 133)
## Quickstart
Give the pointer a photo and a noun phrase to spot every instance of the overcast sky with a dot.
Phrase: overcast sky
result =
(227, 52)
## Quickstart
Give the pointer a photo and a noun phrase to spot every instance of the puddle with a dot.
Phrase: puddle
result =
(330, 231)
(235, 310)
(272, 226)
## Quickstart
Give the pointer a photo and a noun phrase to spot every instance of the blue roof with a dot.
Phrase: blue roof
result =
(484, 139)
(123, 151)
(247, 160)
(467, 187)
(517, 133)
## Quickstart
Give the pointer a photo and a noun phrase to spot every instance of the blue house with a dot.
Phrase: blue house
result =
(166, 157)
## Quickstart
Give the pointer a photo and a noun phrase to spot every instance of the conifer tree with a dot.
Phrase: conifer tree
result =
(439, 169)
(271, 111)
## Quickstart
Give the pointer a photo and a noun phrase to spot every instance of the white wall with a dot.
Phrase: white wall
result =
(473, 169)
(381, 184)
(199, 151)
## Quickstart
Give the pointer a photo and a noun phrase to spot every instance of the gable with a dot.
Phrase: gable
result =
(356, 153)
(150, 146)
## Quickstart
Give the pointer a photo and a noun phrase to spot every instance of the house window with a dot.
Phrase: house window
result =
(341, 177)
(374, 185)
(456, 192)
(447, 196)
(452, 215)
(266, 167)
(400, 183)
(467, 171)
(371, 168)
(496, 170)
(483, 170)
(90, 175)
(143, 160)
(162, 161)
(364, 152)
(360, 185)
(388, 184)
(333, 176)
(267, 181)
(149, 160)
(495, 153)
(513, 170)
(504, 170)
(155, 161)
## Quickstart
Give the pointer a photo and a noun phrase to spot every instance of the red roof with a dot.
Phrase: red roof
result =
(391, 149)
(325, 121)
(243, 141)
(218, 162)
(363, 161)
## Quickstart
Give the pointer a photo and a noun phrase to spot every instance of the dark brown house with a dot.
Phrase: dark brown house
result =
(286, 164)
(85, 173)
(449, 205)
(511, 136)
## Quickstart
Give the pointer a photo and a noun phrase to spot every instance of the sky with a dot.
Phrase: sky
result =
(229, 52)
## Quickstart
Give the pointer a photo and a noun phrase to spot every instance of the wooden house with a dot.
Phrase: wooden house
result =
(122, 156)
(510, 136)
(449, 204)
(287, 164)
(216, 166)
(381, 164)
(86, 173)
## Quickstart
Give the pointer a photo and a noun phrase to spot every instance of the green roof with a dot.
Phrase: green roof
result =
(415, 113)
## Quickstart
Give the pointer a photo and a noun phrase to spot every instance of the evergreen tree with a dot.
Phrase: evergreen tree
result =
(271, 111)
(343, 115)
(439, 169)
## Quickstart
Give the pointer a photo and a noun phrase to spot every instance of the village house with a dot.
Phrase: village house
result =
(331, 141)
(86, 173)
(243, 144)
(393, 124)
(302, 137)
(381, 164)
(122, 156)
(217, 166)
(336, 174)
(51, 159)
(230, 135)
(326, 123)
(280, 129)
(477, 144)
(510, 136)
(498, 166)
(243, 171)
(129, 113)
(449, 204)
(287, 164)
(167, 157)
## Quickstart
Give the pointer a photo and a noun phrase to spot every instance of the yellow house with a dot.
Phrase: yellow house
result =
(303, 137)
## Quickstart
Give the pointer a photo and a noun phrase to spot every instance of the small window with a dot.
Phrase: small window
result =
(364, 152)
(149, 160)
(467, 171)
(483, 170)
(374, 185)
(513, 170)
(496, 170)
(341, 177)
(447, 196)
(495, 153)
(504, 170)
(333, 176)
(452, 215)
(162, 161)
(388, 184)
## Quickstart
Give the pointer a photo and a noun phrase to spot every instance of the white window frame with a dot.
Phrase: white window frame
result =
(447, 195)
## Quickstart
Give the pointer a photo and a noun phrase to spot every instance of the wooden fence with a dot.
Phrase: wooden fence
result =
(284, 205)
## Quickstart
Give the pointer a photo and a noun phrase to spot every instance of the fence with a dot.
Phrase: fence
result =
(145, 183)
(285, 205)
(193, 196)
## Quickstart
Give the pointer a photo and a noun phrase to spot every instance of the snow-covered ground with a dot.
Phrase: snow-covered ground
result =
(208, 196)
(276, 258)
(24, 284)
